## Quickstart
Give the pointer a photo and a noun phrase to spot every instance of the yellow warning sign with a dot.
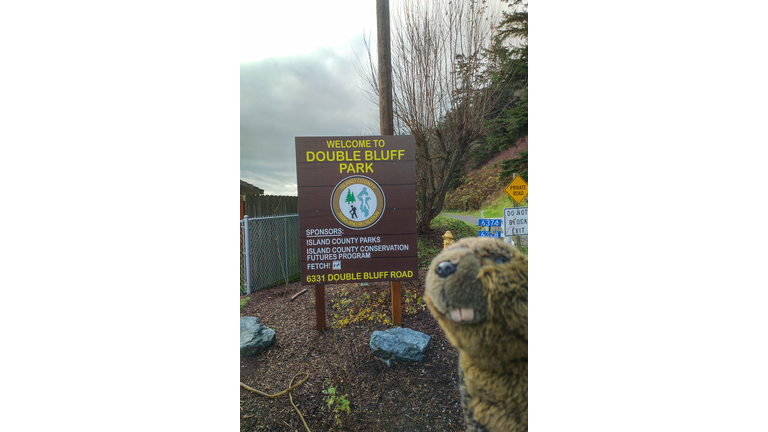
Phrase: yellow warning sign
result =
(517, 189)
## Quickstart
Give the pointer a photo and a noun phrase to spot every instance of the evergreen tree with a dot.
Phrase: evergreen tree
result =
(350, 198)
(512, 52)
(509, 55)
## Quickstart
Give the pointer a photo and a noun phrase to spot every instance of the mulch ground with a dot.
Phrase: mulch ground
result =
(405, 396)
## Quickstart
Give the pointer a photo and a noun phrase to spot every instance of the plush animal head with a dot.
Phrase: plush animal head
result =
(477, 289)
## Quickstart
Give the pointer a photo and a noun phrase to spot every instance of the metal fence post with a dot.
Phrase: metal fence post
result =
(247, 256)
(285, 237)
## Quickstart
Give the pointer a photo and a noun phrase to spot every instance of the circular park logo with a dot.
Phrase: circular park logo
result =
(357, 202)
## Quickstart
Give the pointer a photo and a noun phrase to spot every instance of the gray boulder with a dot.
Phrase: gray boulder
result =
(399, 344)
(254, 336)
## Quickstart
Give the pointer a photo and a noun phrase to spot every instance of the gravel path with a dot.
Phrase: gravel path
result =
(473, 220)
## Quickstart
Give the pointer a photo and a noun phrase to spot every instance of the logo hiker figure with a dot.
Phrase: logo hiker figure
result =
(351, 199)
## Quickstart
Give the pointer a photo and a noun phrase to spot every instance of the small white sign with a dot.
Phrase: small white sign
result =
(337, 265)
(516, 221)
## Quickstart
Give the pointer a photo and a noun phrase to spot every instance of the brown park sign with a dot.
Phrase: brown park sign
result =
(357, 209)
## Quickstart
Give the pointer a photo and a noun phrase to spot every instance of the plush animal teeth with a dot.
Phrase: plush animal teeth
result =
(463, 314)
(456, 315)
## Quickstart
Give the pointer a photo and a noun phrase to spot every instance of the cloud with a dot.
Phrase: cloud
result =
(316, 94)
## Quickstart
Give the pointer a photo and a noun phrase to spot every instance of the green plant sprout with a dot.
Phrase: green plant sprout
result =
(335, 403)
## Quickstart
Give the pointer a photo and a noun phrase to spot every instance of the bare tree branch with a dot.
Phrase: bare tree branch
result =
(442, 87)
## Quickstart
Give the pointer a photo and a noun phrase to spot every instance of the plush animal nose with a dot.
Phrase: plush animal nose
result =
(445, 269)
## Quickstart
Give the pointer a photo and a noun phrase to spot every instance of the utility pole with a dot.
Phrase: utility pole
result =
(386, 116)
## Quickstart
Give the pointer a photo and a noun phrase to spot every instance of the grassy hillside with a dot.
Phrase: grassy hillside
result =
(493, 206)
(432, 243)
(483, 189)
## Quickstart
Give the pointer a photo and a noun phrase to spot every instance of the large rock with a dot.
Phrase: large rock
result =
(255, 337)
(399, 344)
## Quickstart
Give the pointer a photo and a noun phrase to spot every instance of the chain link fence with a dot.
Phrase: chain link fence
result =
(269, 251)
(243, 276)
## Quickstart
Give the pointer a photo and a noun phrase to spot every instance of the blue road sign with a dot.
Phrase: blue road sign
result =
(494, 234)
(489, 222)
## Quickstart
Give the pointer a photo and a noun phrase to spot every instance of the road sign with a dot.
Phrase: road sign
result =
(489, 222)
(494, 234)
(516, 221)
(517, 189)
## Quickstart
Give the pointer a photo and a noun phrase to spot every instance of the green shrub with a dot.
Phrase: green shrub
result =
(243, 301)
(517, 165)
(475, 188)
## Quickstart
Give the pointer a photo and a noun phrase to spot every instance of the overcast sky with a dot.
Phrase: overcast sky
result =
(297, 78)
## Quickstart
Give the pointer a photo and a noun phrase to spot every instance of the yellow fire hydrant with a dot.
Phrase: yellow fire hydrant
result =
(447, 239)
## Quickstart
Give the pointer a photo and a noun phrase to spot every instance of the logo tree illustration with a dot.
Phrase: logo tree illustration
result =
(350, 198)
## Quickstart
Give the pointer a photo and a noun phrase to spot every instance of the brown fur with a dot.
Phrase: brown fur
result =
(491, 278)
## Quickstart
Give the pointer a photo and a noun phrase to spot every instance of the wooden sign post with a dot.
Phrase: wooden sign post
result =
(397, 316)
(357, 213)
(320, 307)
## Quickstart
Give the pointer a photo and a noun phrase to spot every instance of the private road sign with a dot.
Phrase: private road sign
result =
(517, 189)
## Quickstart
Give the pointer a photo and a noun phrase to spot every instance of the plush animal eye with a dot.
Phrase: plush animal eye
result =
(501, 260)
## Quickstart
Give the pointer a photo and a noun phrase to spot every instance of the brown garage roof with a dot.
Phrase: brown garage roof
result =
(247, 189)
